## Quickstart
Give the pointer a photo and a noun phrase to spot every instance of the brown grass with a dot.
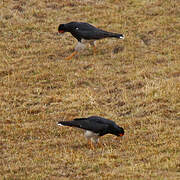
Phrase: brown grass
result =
(135, 82)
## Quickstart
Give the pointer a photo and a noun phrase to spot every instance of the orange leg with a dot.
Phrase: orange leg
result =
(91, 144)
(100, 145)
(92, 43)
(73, 54)
(94, 50)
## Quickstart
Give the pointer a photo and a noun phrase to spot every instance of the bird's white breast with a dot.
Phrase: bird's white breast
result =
(91, 135)
(79, 47)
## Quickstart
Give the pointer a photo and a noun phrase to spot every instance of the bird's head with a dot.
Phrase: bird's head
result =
(61, 28)
(120, 132)
(69, 27)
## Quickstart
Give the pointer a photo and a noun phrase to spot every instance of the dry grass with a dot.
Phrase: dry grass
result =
(135, 82)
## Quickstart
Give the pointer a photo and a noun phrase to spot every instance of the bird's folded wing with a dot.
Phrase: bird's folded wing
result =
(92, 34)
(87, 125)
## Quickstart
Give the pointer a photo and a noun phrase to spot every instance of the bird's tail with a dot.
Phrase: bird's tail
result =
(65, 123)
(69, 123)
(115, 35)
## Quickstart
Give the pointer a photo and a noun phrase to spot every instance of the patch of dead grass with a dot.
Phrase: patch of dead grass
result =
(135, 82)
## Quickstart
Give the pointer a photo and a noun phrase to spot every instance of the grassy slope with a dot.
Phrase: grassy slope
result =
(135, 82)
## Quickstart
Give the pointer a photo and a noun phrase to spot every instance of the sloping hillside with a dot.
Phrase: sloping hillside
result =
(135, 82)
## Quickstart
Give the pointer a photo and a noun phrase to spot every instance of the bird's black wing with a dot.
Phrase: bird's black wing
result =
(108, 125)
(83, 26)
(91, 34)
(112, 127)
(87, 31)
(102, 120)
(85, 123)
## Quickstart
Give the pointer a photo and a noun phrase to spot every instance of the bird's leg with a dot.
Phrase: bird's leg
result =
(79, 47)
(94, 50)
(94, 46)
(91, 144)
(100, 144)
(73, 54)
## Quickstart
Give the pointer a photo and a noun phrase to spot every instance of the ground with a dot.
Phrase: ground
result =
(135, 82)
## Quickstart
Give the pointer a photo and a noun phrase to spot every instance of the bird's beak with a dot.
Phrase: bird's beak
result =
(61, 31)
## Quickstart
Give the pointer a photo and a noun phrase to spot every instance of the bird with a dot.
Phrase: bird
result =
(86, 33)
(94, 127)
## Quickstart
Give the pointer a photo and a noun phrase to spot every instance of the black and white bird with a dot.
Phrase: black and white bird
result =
(86, 33)
(94, 127)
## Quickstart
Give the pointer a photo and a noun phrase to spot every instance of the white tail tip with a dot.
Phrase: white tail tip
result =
(59, 124)
(122, 37)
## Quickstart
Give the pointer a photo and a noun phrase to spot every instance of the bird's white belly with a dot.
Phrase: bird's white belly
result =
(91, 135)
(82, 45)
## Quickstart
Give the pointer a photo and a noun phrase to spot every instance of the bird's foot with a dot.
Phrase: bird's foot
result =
(70, 57)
